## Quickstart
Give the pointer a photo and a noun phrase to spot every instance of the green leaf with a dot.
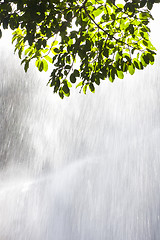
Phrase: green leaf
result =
(97, 12)
(68, 59)
(20, 52)
(38, 61)
(27, 51)
(136, 63)
(106, 52)
(45, 65)
(97, 81)
(69, 16)
(66, 89)
(48, 58)
(79, 84)
(76, 73)
(113, 16)
(67, 67)
(144, 29)
(143, 3)
(120, 74)
(85, 88)
(87, 47)
(54, 43)
(91, 87)
(81, 53)
(146, 59)
(26, 66)
(131, 69)
(72, 78)
(40, 67)
(56, 50)
(90, 8)
(117, 56)
(57, 85)
(105, 17)
(145, 43)
(131, 28)
(149, 4)
(151, 57)
(61, 94)
(5, 23)
(69, 84)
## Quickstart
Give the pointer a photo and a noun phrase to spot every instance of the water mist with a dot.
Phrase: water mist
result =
(83, 168)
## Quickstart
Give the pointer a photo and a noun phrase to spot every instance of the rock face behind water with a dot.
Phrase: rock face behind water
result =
(85, 168)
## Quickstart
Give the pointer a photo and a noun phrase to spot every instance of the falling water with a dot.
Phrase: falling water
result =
(85, 168)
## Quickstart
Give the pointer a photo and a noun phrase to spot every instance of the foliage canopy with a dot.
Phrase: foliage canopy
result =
(106, 39)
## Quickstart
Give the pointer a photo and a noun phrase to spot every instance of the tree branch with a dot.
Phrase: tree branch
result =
(99, 27)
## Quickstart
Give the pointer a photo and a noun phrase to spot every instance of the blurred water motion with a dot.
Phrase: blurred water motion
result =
(85, 168)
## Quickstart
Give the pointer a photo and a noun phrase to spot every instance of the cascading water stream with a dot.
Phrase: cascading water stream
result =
(85, 168)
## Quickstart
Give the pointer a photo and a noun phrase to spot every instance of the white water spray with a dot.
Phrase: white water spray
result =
(85, 168)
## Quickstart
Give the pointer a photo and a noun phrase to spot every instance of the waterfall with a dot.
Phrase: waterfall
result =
(82, 168)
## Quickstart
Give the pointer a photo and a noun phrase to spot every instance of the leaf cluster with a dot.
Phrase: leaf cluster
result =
(107, 40)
